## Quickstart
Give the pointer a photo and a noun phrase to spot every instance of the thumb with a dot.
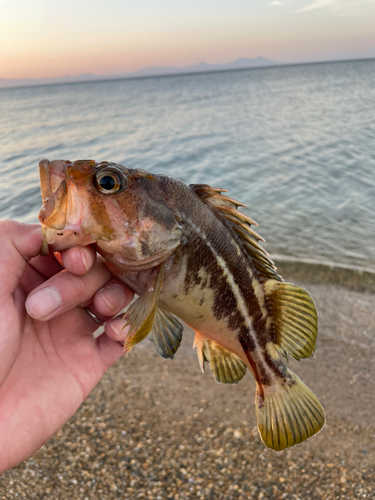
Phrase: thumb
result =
(18, 244)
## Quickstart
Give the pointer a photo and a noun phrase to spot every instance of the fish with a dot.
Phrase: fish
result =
(190, 254)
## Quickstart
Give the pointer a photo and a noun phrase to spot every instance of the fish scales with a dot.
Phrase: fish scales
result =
(189, 253)
(211, 247)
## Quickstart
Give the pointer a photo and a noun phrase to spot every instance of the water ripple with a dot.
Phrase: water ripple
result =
(295, 144)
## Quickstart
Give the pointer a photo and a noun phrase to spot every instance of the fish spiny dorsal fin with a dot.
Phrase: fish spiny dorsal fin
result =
(239, 225)
(226, 366)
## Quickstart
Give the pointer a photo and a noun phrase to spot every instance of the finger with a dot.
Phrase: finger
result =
(112, 298)
(116, 328)
(98, 318)
(78, 260)
(64, 291)
(18, 244)
(86, 303)
(46, 266)
(31, 279)
(109, 351)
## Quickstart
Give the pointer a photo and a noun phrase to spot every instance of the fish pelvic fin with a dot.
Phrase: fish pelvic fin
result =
(294, 324)
(142, 313)
(288, 413)
(166, 334)
(226, 366)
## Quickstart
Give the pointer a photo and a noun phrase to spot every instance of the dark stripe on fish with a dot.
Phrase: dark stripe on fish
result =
(225, 304)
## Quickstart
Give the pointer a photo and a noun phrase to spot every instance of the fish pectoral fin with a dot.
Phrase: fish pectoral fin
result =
(142, 313)
(166, 333)
(226, 366)
(294, 319)
(287, 413)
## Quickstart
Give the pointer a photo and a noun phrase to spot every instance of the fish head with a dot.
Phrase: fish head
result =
(123, 211)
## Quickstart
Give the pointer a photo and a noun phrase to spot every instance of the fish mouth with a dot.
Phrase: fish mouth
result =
(54, 191)
(57, 234)
(61, 228)
(52, 215)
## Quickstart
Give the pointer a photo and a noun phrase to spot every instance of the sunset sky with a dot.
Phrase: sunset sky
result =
(51, 38)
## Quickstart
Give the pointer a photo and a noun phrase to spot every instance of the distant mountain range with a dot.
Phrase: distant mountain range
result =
(241, 63)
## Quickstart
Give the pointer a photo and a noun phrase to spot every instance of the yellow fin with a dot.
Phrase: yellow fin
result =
(227, 367)
(142, 313)
(166, 334)
(289, 413)
(295, 319)
(239, 225)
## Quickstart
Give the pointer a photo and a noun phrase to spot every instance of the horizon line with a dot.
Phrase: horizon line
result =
(110, 78)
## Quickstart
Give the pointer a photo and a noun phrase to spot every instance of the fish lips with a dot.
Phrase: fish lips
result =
(54, 177)
(54, 191)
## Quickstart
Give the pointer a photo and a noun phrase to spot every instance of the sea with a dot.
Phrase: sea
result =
(296, 144)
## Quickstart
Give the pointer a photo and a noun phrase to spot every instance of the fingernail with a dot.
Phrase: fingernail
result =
(113, 296)
(118, 326)
(85, 258)
(42, 303)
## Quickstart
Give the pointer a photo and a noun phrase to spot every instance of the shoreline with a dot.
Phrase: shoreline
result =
(358, 279)
(121, 77)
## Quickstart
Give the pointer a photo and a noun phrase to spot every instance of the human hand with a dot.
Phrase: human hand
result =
(49, 360)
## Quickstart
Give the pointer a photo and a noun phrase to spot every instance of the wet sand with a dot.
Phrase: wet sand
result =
(160, 429)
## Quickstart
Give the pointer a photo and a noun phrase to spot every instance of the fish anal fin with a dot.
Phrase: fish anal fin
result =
(288, 414)
(141, 314)
(294, 318)
(166, 334)
(239, 225)
(226, 366)
(199, 345)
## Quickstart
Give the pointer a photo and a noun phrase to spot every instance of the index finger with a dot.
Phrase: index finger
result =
(78, 260)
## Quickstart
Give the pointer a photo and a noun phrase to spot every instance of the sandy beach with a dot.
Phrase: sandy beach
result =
(160, 429)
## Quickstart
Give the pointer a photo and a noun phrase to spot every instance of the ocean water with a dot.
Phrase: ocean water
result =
(296, 144)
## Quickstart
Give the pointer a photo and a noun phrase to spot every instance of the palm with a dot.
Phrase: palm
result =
(48, 369)
(60, 357)
(57, 365)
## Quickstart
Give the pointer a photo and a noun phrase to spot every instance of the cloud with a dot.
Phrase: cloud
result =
(338, 5)
(275, 3)
(318, 4)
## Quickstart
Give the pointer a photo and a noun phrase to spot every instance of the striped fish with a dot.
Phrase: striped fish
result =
(189, 253)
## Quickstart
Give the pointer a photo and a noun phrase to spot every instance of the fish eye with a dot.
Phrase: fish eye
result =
(110, 181)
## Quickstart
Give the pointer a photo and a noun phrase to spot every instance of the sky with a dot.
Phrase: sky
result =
(52, 38)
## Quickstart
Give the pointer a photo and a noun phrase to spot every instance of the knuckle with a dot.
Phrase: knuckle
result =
(73, 286)
(8, 226)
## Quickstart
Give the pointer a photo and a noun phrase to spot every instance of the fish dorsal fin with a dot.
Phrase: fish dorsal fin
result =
(294, 318)
(166, 334)
(239, 225)
(141, 314)
(226, 366)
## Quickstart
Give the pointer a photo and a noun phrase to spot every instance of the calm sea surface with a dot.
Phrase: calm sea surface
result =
(296, 144)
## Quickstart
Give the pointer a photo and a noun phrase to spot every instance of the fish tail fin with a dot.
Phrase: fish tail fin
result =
(287, 413)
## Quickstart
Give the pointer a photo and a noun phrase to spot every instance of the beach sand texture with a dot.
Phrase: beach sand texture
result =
(159, 429)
